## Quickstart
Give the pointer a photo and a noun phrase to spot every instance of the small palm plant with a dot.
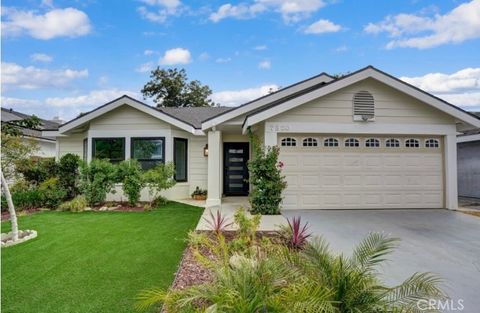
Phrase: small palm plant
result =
(354, 280)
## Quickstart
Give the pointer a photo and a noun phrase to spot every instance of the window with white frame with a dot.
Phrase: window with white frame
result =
(412, 143)
(310, 142)
(392, 143)
(432, 143)
(352, 142)
(372, 143)
(330, 142)
(289, 142)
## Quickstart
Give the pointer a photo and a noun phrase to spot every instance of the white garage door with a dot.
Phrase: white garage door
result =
(351, 174)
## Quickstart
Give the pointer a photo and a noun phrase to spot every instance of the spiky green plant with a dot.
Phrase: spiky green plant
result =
(354, 281)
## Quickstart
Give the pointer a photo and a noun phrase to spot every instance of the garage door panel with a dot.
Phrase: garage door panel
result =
(343, 179)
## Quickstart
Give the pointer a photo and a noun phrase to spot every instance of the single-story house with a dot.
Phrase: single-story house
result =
(468, 152)
(46, 144)
(364, 140)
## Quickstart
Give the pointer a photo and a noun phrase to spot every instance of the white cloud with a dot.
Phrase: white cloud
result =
(8, 102)
(30, 77)
(41, 57)
(461, 88)
(67, 107)
(204, 56)
(265, 65)
(291, 10)
(466, 79)
(223, 60)
(413, 31)
(260, 48)
(145, 67)
(342, 48)
(47, 3)
(159, 10)
(237, 97)
(321, 27)
(176, 56)
(148, 52)
(67, 22)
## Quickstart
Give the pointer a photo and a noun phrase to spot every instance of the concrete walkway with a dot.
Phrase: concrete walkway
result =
(228, 208)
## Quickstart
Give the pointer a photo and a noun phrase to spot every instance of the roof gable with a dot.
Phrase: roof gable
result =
(126, 100)
(369, 72)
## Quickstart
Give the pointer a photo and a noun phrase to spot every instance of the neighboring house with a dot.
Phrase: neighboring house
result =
(365, 140)
(46, 144)
(468, 153)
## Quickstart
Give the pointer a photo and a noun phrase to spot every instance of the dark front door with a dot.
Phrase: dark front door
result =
(235, 175)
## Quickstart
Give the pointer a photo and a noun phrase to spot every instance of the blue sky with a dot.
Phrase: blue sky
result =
(66, 57)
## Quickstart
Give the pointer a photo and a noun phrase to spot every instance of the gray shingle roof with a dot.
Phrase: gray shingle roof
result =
(9, 115)
(195, 115)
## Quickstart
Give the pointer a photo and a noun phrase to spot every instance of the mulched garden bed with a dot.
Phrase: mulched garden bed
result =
(190, 272)
(6, 214)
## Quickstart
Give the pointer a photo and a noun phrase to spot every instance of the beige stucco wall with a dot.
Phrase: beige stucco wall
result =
(391, 106)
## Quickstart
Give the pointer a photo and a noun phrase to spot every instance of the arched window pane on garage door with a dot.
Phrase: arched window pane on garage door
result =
(310, 142)
(330, 142)
(372, 143)
(289, 142)
(431, 143)
(412, 143)
(392, 143)
(352, 142)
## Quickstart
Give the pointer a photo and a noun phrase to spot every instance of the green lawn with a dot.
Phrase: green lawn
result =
(93, 261)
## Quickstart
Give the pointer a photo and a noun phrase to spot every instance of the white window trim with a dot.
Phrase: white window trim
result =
(327, 138)
(290, 140)
(352, 138)
(397, 140)
(417, 139)
(372, 138)
(432, 139)
(315, 139)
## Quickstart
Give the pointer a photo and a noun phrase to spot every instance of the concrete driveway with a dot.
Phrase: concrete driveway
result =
(439, 241)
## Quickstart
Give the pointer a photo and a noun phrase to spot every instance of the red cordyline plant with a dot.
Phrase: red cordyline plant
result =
(218, 222)
(299, 233)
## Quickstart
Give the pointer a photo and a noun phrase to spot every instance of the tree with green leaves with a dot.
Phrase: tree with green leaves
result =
(171, 88)
(13, 150)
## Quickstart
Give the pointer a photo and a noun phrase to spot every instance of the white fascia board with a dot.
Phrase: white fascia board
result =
(255, 104)
(360, 128)
(125, 100)
(367, 73)
(468, 138)
(52, 133)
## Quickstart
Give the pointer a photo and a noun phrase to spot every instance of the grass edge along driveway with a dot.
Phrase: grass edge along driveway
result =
(93, 261)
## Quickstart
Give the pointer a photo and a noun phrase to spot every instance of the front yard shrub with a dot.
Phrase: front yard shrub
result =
(68, 173)
(129, 172)
(266, 178)
(159, 178)
(97, 178)
(37, 170)
(77, 204)
(24, 199)
(52, 193)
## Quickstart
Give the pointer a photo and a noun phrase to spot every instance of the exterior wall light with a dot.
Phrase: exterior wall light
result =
(205, 150)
